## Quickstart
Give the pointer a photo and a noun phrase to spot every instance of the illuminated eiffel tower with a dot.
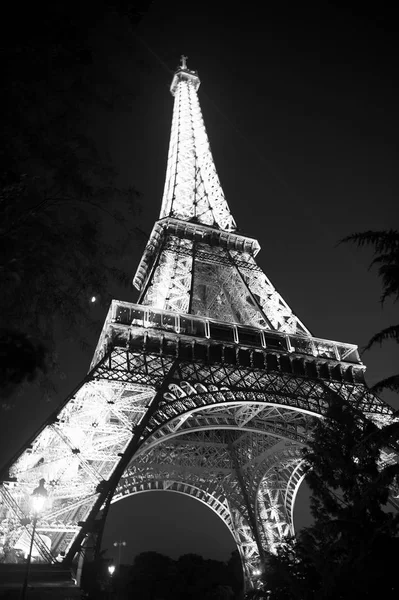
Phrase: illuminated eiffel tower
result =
(208, 386)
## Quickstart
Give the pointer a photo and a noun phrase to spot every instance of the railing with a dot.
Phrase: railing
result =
(125, 313)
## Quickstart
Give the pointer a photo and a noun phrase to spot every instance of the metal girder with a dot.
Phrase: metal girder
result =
(138, 326)
(171, 281)
(199, 385)
(222, 284)
(275, 482)
(192, 187)
(81, 448)
(273, 425)
(75, 453)
(271, 302)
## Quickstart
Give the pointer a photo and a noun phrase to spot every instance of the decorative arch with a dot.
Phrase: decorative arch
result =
(183, 407)
(235, 523)
(130, 487)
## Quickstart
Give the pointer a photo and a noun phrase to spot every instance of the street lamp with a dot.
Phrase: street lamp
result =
(110, 583)
(119, 545)
(37, 502)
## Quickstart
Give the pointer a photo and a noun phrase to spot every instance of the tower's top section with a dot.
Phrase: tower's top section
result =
(183, 73)
(192, 188)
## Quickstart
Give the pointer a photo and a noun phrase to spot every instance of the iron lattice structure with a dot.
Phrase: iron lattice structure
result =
(208, 386)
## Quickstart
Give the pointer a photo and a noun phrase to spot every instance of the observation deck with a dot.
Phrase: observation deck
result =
(141, 328)
(189, 231)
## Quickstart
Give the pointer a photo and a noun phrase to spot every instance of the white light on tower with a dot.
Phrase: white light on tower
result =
(38, 502)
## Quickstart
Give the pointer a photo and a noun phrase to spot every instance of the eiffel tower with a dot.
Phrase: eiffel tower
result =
(208, 386)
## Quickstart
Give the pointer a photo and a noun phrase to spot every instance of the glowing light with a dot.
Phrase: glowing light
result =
(93, 299)
(39, 498)
(111, 569)
(192, 186)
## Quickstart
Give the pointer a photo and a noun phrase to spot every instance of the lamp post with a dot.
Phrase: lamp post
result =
(37, 501)
(119, 545)
(110, 584)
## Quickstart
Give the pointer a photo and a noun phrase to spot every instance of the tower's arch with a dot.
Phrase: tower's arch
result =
(243, 539)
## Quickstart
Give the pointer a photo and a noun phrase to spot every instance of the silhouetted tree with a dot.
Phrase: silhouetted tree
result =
(153, 576)
(20, 360)
(60, 208)
(95, 581)
(158, 577)
(386, 258)
(234, 567)
(350, 551)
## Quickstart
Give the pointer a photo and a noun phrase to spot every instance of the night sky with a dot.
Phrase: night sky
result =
(300, 105)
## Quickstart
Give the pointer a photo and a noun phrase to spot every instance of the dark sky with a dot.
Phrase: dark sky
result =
(300, 104)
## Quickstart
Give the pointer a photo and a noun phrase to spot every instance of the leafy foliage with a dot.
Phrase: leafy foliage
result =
(154, 576)
(191, 576)
(64, 222)
(386, 258)
(20, 359)
(350, 550)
